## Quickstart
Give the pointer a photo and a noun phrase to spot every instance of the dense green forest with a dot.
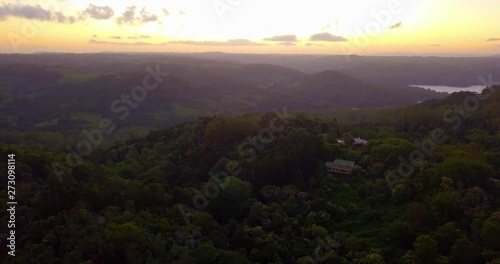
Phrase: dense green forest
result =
(253, 189)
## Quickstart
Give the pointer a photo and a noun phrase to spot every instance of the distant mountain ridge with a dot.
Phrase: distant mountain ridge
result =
(395, 70)
(400, 70)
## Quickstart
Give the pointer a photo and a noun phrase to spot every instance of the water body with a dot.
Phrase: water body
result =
(452, 89)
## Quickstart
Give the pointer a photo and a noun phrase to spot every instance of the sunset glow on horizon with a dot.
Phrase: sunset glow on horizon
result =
(242, 26)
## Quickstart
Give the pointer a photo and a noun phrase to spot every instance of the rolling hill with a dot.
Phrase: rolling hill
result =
(53, 97)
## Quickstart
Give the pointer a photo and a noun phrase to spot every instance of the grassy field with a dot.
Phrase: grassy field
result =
(47, 123)
(92, 119)
(5, 95)
(71, 75)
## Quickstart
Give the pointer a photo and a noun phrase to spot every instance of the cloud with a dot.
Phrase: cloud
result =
(290, 38)
(435, 45)
(147, 17)
(397, 25)
(182, 13)
(99, 12)
(25, 11)
(115, 37)
(326, 37)
(128, 16)
(231, 42)
(93, 41)
(312, 44)
(493, 39)
(139, 37)
(287, 43)
(165, 12)
(61, 18)
(33, 12)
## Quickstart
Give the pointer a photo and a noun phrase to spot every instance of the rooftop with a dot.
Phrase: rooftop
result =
(360, 141)
(339, 162)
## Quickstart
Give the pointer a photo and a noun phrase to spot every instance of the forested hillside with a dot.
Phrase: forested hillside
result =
(396, 70)
(72, 92)
(253, 188)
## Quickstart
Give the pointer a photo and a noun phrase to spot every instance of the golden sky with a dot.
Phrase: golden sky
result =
(252, 26)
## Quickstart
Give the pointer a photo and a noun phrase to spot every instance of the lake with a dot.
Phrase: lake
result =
(452, 89)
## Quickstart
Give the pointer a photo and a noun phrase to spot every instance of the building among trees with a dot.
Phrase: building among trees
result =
(340, 166)
(360, 142)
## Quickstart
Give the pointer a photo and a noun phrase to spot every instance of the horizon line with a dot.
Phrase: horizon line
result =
(396, 54)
